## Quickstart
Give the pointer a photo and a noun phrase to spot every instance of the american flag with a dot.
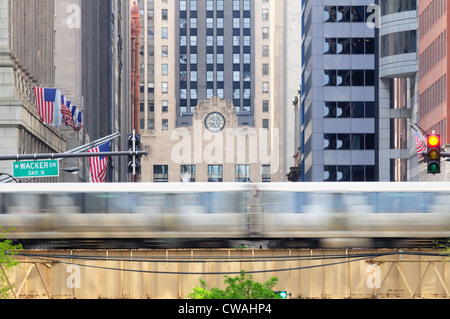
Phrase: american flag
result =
(419, 144)
(67, 114)
(45, 103)
(258, 194)
(99, 165)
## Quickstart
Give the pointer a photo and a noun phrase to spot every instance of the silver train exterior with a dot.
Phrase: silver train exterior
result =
(204, 215)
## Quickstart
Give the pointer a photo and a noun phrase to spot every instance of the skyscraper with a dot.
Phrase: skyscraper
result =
(433, 80)
(214, 73)
(340, 106)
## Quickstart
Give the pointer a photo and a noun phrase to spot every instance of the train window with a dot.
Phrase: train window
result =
(102, 203)
(23, 203)
(285, 202)
(401, 202)
(65, 203)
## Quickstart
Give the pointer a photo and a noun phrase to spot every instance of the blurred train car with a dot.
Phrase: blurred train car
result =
(212, 215)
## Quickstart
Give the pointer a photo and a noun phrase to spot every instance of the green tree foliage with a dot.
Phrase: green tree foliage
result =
(7, 261)
(240, 287)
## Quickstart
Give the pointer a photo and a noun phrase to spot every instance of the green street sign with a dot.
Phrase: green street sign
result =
(30, 169)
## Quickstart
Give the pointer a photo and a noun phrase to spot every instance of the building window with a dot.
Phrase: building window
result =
(165, 87)
(164, 14)
(265, 50)
(349, 78)
(165, 51)
(265, 69)
(265, 33)
(161, 173)
(188, 173)
(266, 124)
(266, 176)
(215, 173)
(349, 109)
(165, 69)
(242, 173)
(265, 87)
(165, 106)
(356, 173)
(165, 125)
(265, 106)
(165, 33)
(349, 141)
(265, 14)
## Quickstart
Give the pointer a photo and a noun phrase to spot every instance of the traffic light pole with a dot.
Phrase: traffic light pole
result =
(443, 154)
(34, 157)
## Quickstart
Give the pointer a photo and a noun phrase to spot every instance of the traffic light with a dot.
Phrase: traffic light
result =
(282, 294)
(134, 161)
(434, 154)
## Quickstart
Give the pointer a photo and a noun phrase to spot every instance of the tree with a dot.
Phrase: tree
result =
(7, 261)
(240, 287)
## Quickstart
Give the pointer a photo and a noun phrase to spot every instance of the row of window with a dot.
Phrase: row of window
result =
(215, 173)
(357, 173)
(346, 14)
(349, 110)
(349, 78)
(397, 6)
(335, 141)
(433, 54)
(434, 96)
(398, 43)
(349, 46)
(433, 12)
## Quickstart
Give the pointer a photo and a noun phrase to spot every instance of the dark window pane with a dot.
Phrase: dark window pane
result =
(343, 174)
(358, 46)
(329, 174)
(370, 173)
(358, 173)
(357, 141)
(344, 78)
(370, 77)
(329, 110)
(358, 13)
(343, 46)
(370, 109)
(343, 142)
(343, 14)
(343, 110)
(330, 46)
(329, 141)
(370, 46)
(358, 78)
(370, 141)
(329, 78)
(358, 110)
(330, 14)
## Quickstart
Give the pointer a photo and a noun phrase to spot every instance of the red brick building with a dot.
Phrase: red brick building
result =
(434, 67)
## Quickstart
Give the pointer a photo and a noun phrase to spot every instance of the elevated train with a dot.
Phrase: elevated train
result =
(193, 215)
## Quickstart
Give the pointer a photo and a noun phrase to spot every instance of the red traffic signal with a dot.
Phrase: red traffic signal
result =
(434, 153)
(434, 141)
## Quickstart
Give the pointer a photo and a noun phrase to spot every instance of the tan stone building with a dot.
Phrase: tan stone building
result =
(66, 45)
(211, 70)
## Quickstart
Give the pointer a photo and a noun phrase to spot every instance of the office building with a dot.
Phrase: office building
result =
(65, 45)
(339, 100)
(360, 91)
(432, 83)
(216, 89)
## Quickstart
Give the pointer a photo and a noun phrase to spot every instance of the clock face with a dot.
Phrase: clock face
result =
(215, 122)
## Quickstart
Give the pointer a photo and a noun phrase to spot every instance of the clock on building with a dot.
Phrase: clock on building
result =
(215, 122)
